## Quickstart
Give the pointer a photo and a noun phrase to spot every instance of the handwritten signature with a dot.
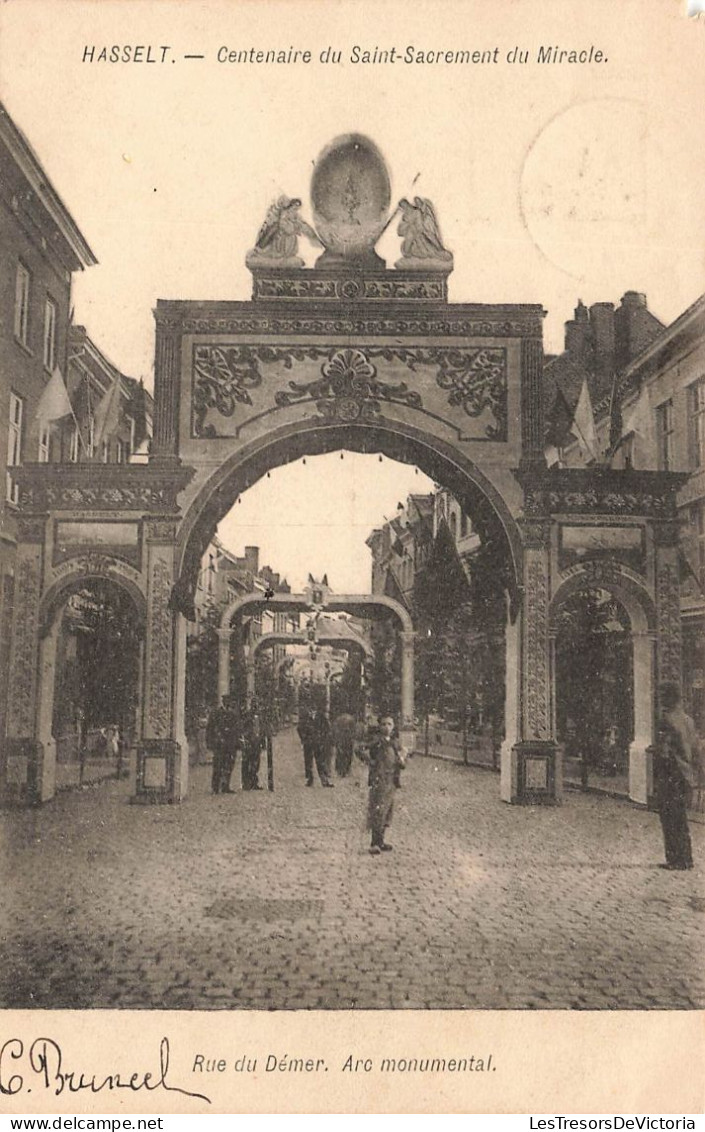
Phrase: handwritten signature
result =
(45, 1060)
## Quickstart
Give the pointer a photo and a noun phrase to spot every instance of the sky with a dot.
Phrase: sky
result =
(552, 182)
(306, 518)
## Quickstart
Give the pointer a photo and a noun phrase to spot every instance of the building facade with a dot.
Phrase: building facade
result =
(42, 248)
(648, 394)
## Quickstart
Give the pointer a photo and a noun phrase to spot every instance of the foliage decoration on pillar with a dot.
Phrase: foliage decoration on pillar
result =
(160, 663)
(536, 659)
(668, 621)
(23, 672)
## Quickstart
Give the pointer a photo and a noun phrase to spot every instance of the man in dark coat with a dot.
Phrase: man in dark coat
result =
(676, 764)
(303, 728)
(253, 740)
(385, 762)
(321, 745)
(344, 727)
(223, 738)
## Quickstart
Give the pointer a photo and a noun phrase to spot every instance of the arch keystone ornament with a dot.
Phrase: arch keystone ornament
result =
(350, 355)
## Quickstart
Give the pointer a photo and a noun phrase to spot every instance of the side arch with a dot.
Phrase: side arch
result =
(490, 510)
(639, 606)
(632, 594)
(299, 639)
(55, 597)
(299, 603)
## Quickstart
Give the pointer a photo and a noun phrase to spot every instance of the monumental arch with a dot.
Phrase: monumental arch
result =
(350, 354)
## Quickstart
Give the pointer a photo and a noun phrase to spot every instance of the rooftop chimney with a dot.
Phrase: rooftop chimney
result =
(602, 320)
(577, 335)
(634, 326)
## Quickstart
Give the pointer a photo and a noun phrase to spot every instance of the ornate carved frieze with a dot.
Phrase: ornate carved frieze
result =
(160, 650)
(95, 565)
(103, 487)
(450, 322)
(301, 285)
(600, 491)
(349, 388)
(23, 668)
(536, 658)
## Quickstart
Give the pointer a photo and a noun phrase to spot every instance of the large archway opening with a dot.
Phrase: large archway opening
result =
(92, 653)
(467, 530)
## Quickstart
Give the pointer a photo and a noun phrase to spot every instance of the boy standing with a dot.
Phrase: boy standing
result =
(385, 761)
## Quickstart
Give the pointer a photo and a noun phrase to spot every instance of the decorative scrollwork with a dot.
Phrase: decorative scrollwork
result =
(477, 380)
(222, 377)
(348, 390)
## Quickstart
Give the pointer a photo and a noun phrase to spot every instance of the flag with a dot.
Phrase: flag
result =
(583, 426)
(639, 420)
(139, 415)
(54, 402)
(616, 423)
(553, 456)
(107, 414)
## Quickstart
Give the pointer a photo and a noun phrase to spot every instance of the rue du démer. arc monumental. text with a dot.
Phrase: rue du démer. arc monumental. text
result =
(348, 354)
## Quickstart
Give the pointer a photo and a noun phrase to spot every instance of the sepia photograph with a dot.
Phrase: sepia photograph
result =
(352, 403)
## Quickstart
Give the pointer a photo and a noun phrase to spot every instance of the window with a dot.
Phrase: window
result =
(105, 451)
(119, 452)
(453, 522)
(44, 442)
(14, 446)
(697, 523)
(74, 445)
(463, 524)
(627, 449)
(22, 304)
(664, 436)
(50, 335)
(696, 417)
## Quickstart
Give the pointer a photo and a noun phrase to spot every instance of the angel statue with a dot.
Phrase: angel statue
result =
(421, 246)
(278, 239)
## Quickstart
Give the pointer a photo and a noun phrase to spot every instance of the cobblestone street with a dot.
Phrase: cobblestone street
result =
(263, 900)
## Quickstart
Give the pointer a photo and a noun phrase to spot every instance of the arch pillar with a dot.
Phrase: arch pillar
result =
(162, 754)
(407, 728)
(223, 662)
(667, 588)
(512, 637)
(46, 786)
(640, 769)
(531, 769)
(23, 772)
(250, 673)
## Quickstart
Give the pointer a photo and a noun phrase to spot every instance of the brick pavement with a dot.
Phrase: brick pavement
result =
(272, 900)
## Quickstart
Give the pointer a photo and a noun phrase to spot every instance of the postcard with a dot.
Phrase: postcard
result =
(353, 381)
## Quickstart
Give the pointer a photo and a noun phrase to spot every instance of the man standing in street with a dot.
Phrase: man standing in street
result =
(253, 740)
(223, 738)
(303, 728)
(344, 738)
(676, 767)
(385, 761)
(321, 739)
